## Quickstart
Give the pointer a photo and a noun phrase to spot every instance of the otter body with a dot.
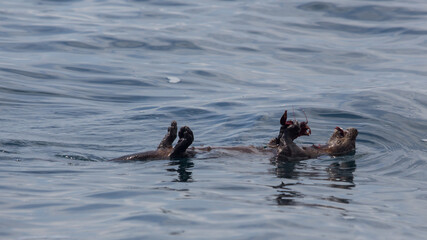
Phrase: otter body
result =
(165, 149)
(144, 156)
(282, 148)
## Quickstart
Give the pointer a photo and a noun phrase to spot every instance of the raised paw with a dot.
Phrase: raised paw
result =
(170, 136)
(186, 138)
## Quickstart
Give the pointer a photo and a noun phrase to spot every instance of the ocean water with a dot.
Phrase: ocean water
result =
(84, 81)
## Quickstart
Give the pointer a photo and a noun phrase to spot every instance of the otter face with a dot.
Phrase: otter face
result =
(342, 141)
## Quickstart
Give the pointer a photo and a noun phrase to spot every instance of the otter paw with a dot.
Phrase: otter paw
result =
(186, 133)
(170, 136)
(186, 138)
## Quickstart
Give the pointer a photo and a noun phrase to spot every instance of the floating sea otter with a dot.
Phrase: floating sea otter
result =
(282, 147)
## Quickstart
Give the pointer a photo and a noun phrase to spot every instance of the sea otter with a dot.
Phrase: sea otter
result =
(282, 147)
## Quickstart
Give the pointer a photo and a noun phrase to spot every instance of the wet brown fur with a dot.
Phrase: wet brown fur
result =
(282, 147)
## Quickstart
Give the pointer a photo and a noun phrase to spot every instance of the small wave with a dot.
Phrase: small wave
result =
(28, 73)
(225, 105)
(363, 13)
(120, 82)
(164, 44)
(49, 46)
(116, 194)
(32, 30)
(186, 112)
(84, 158)
(49, 172)
(163, 3)
(362, 30)
(128, 98)
(91, 207)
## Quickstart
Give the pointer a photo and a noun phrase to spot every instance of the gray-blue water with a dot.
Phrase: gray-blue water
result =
(85, 81)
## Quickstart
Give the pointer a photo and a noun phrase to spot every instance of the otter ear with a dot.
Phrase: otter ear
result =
(283, 118)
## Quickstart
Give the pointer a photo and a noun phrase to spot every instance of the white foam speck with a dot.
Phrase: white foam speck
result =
(173, 79)
(348, 217)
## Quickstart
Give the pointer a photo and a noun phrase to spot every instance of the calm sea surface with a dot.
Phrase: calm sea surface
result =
(82, 82)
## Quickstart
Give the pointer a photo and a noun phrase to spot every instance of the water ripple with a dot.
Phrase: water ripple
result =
(362, 30)
(85, 81)
(163, 44)
(363, 13)
(28, 73)
(31, 30)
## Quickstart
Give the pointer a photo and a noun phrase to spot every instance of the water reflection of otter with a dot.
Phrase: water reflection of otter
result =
(339, 173)
(342, 172)
(183, 169)
(282, 147)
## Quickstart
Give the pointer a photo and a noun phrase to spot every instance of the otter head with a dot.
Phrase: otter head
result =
(342, 141)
